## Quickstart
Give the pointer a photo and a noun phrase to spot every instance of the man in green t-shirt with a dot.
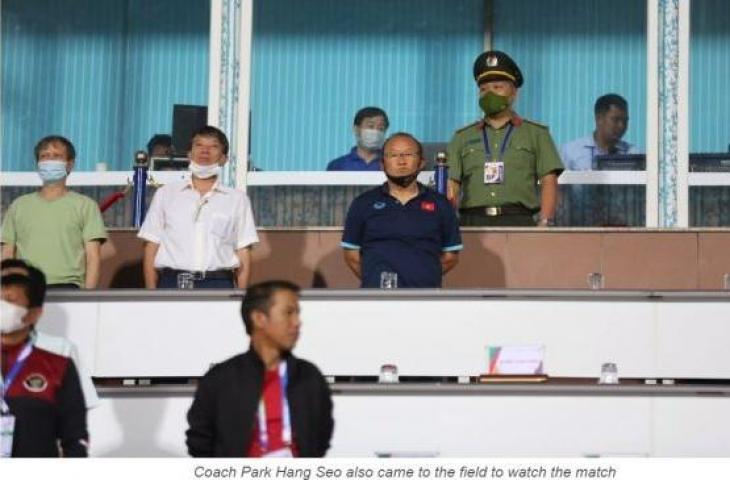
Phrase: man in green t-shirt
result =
(55, 229)
(496, 163)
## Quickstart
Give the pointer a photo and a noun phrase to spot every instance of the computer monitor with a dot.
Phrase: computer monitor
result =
(186, 120)
(624, 162)
(709, 162)
(172, 163)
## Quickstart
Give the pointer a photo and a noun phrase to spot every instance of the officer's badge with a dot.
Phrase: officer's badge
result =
(492, 60)
(35, 382)
(379, 205)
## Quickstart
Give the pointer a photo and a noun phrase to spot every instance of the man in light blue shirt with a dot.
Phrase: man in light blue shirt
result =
(591, 206)
(612, 120)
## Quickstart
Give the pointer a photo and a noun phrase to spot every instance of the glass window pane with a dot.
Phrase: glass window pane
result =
(105, 74)
(315, 65)
(709, 140)
(571, 53)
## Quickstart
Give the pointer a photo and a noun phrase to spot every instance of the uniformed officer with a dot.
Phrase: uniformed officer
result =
(495, 163)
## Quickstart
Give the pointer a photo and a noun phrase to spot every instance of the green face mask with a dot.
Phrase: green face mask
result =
(492, 104)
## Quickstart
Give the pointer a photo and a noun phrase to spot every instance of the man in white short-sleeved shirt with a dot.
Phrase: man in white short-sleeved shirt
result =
(198, 230)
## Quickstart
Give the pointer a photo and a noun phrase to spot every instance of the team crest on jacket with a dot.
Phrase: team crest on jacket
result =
(35, 382)
(428, 206)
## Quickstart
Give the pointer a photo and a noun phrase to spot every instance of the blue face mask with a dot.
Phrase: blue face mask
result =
(52, 171)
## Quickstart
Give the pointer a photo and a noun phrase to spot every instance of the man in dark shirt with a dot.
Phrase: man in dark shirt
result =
(401, 233)
(42, 405)
(265, 402)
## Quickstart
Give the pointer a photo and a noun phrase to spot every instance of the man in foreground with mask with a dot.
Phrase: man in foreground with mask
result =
(198, 230)
(495, 163)
(52, 343)
(401, 234)
(369, 127)
(42, 409)
(58, 230)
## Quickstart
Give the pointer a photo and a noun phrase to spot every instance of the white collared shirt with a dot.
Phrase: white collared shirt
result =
(198, 233)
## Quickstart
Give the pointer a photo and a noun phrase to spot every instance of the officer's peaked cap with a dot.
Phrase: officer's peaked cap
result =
(496, 65)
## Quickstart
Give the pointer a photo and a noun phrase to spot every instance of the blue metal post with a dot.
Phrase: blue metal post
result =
(140, 187)
(441, 173)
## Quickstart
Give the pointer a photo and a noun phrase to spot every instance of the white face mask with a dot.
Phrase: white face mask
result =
(52, 171)
(11, 317)
(372, 138)
(204, 171)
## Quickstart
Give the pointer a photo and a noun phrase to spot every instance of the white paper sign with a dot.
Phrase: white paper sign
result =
(515, 359)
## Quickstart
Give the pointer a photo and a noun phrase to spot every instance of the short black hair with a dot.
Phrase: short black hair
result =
(13, 263)
(604, 103)
(18, 280)
(259, 296)
(370, 112)
(36, 277)
(211, 131)
(38, 286)
(404, 135)
(160, 139)
(47, 140)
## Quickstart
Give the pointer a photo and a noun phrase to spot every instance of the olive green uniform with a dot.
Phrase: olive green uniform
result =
(529, 155)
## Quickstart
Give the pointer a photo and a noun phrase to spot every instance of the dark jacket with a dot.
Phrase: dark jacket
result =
(48, 405)
(223, 414)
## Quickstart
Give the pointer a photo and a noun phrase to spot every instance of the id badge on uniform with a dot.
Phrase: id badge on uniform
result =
(281, 453)
(7, 429)
(493, 173)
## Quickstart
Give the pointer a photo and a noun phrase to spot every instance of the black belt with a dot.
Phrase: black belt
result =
(497, 211)
(209, 274)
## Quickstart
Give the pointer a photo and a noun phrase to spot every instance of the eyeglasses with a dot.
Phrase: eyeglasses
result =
(403, 155)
